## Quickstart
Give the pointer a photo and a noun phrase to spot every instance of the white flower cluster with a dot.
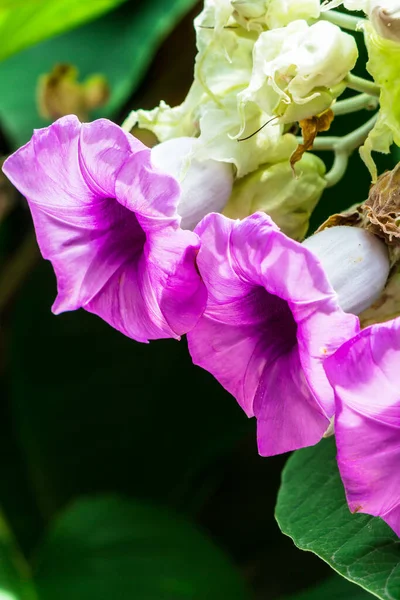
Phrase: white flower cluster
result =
(257, 60)
(263, 66)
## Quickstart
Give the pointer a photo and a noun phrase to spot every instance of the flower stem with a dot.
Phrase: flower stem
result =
(341, 20)
(338, 169)
(347, 143)
(326, 142)
(362, 85)
(344, 148)
(359, 102)
(355, 138)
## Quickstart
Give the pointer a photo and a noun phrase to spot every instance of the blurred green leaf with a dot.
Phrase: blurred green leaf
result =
(96, 411)
(312, 510)
(119, 45)
(110, 547)
(15, 581)
(334, 588)
(26, 22)
(18, 502)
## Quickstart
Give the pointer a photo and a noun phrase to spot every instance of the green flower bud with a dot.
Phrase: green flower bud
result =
(289, 198)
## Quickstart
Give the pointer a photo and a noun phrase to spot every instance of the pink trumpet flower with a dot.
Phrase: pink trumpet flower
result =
(107, 220)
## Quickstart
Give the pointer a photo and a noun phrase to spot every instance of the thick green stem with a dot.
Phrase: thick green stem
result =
(344, 148)
(355, 138)
(359, 84)
(326, 142)
(338, 169)
(341, 20)
(359, 102)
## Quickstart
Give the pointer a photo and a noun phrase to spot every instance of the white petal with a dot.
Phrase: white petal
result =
(205, 185)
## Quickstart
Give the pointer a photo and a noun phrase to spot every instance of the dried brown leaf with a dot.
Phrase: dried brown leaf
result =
(310, 128)
(387, 306)
(351, 217)
(382, 209)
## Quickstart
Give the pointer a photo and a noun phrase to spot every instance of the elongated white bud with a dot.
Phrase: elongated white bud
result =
(356, 263)
(205, 185)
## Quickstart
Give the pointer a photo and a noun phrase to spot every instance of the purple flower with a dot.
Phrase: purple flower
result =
(366, 378)
(107, 221)
(271, 319)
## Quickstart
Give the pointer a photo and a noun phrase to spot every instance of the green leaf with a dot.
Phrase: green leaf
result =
(119, 45)
(110, 547)
(15, 581)
(334, 588)
(26, 22)
(312, 510)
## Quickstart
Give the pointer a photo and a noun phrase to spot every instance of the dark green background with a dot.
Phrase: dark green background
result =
(86, 411)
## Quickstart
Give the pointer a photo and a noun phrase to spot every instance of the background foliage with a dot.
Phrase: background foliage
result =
(126, 471)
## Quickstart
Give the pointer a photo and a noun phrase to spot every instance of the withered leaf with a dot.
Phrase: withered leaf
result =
(350, 217)
(310, 128)
(382, 209)
(387, 306)
(379, 214)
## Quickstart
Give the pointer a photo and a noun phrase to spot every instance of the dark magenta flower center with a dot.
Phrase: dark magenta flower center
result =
(278, 322)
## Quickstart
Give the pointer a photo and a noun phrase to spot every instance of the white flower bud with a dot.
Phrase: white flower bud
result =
(385, 18)
(205, 185)
(298, 68)
(356, 263)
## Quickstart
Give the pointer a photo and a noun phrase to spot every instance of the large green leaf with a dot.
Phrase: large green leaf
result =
(15, 581)
(312, 510)
(119, 45)
(26, 22)
(108, 547)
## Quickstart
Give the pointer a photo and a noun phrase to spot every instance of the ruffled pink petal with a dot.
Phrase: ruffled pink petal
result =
(226, 338)
(287, 417)
(289, 271)
(107, 221)
(266, 329)
(365, 375)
